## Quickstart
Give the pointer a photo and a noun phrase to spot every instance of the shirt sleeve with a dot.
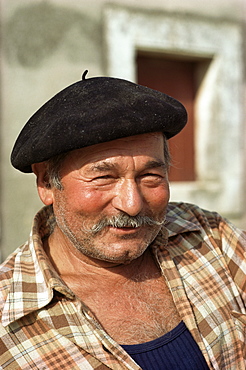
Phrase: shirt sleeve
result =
(233, 247)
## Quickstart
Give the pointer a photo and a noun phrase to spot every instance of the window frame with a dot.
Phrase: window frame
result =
(218, 107)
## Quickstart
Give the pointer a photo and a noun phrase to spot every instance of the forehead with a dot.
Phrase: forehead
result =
(146, 145)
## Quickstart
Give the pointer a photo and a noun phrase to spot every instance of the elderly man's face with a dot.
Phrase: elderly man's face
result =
(105, 187)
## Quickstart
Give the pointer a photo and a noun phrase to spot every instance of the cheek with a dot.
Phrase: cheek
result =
(158, 198)
(86, 200)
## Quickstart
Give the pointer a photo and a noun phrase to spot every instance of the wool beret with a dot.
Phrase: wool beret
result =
(93, 111)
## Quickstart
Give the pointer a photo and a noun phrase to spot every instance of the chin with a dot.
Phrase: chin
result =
(124, 257)
(123, 252)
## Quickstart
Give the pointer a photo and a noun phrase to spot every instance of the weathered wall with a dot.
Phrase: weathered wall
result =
(46, 45)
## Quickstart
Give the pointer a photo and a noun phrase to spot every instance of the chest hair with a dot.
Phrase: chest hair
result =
(135, 312)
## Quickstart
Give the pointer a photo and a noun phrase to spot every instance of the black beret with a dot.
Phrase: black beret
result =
(93, 111)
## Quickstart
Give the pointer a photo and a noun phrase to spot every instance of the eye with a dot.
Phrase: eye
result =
(150, 175)
(151, 179)
(104, 179)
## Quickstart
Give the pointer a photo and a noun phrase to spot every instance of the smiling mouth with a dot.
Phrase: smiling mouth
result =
(125, 228)
(128, 228)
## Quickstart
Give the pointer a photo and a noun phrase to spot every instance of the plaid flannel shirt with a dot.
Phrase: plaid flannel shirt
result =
(43, 325)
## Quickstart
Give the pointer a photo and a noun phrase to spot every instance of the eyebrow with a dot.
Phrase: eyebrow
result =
(155, 164)
(103, 166)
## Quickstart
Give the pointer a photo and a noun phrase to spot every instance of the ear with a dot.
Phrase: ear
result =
(44, 189)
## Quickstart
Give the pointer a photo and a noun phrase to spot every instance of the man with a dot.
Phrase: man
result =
(113, 275)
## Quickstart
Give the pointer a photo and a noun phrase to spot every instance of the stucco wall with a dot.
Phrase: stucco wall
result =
(46, 45)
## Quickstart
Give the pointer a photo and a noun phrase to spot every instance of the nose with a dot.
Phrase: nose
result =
(128, 198)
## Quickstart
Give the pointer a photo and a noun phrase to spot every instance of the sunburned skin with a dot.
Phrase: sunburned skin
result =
(100, 244)
(126, 176)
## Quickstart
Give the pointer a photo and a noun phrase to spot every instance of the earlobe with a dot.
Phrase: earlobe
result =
(44, 189)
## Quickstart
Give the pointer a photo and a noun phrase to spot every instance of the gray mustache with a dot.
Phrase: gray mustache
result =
(125, 221)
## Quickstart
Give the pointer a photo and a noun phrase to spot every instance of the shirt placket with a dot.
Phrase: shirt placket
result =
(94, 340)
(174, 282)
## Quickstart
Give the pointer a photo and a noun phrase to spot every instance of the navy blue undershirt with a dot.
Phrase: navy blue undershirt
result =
(176, 350)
